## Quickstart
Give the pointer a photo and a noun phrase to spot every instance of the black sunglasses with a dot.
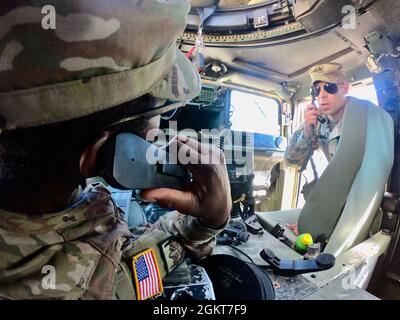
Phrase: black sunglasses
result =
(329, 87)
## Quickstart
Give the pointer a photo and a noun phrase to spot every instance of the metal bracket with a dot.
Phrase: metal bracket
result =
(260, 18)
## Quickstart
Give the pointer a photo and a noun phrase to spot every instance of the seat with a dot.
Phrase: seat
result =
(344, 202)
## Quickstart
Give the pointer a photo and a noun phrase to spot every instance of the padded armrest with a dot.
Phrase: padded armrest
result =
(268, 220)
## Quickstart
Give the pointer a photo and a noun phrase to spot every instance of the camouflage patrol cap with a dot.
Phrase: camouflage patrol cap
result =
(101, 53)
(328, 72)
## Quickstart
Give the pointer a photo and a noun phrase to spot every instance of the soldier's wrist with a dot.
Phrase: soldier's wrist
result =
(214, 225)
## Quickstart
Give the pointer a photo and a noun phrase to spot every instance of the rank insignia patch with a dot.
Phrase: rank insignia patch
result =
(147, 275)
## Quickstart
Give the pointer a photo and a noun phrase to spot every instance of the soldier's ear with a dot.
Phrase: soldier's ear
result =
(87, 162)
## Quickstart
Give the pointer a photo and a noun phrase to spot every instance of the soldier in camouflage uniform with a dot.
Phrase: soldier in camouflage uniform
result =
(331, 105)
(105, 63)
(330, 88)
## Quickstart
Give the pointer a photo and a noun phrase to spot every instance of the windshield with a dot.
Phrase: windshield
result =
(253, 113)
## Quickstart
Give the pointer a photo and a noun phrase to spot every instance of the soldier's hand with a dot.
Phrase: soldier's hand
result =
(310, 119)
(209, 196)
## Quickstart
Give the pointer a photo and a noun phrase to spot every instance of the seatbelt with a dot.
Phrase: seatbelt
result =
(329, 195)
(310, 151)
(314, 169)
(310, 159)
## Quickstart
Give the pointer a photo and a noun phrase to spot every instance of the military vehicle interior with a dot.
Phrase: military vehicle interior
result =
(254, 57)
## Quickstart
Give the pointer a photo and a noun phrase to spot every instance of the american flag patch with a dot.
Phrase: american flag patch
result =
(147, 275)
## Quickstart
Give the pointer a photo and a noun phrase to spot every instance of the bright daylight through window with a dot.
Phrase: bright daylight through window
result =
(253, 113)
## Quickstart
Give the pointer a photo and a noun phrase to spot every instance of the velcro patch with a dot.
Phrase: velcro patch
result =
(147, 276)
(173, 253)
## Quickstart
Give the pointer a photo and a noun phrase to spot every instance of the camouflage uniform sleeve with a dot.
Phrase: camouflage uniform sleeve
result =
(198, 238)
(296, 152)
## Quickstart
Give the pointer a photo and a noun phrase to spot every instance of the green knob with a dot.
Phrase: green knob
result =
(302, 243)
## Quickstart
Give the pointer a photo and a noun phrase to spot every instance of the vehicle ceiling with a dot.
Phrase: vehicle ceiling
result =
(288, 62)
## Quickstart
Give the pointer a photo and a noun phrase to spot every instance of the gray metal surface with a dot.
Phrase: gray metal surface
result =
(286, 288)
(292, 288)
(336, 291)
(339, 283)
(354, 263)
(257, 243)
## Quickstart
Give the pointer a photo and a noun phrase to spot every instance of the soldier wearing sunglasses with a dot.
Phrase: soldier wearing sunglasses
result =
(322, 125)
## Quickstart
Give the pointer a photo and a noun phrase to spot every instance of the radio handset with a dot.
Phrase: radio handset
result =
(124, 164)
(320, 117)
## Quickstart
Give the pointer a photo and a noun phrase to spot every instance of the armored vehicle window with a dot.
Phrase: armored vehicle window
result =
(364, 91)
(253, 113)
